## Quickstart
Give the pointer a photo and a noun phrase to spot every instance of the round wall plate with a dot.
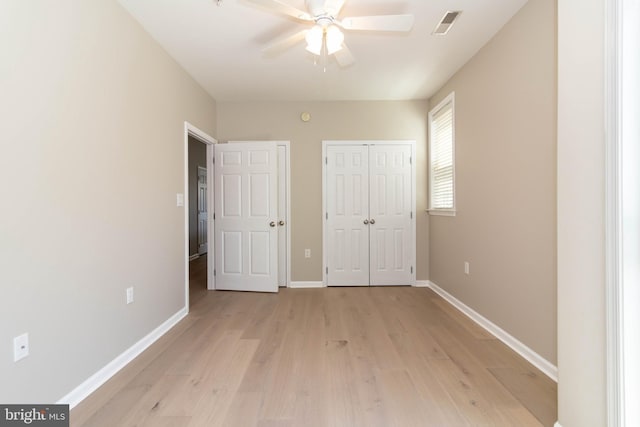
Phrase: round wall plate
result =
(305, 117)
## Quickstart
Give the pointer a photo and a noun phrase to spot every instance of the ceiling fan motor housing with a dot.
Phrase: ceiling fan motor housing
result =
(316, 8)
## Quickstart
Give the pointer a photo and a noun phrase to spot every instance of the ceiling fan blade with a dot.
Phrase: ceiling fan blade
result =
(282, 8)
(282, 44)
(379, 23)
(344, 57)
(333, 7)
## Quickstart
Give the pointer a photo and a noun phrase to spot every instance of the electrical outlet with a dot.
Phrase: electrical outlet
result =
(307, 253)
(20, 347)
(466, 268)
(130, 295)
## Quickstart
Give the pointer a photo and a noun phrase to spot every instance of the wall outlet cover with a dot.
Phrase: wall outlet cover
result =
(20, 347)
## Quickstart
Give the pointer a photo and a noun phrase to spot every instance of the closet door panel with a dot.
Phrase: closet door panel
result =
(347, 204)
(391, 239)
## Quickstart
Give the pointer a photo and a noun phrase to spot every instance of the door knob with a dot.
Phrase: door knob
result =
(281, 223)
(272, 224)
(366, 222)
(373, 221)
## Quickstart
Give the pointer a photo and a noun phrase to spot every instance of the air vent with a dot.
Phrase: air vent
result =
(446, 22)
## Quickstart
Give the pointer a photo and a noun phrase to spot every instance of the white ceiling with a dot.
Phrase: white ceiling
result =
(221, 47)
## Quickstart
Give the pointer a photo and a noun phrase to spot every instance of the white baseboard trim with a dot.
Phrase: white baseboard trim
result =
(306, 285)
(421, 284)
(90, 385)
(531, 356)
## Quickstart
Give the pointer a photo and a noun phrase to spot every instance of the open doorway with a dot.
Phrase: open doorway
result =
(198, 212)
(198, 190)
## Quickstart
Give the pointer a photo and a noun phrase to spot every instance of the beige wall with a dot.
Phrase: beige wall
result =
(92, 115)
(329, 121)
(581, 283)
(505, 225)
(197, 157)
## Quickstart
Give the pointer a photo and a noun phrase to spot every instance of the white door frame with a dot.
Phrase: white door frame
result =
(622, 108)
(191, 130)
(325, 144)
(287, 220)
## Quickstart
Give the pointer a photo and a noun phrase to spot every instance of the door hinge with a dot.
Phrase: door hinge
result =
(214, 271)
(411, 216)
(327, 270)
(214, 216)
(326, 215)
(410, 160)
(214, 160)
(326, 160)
(411, 269)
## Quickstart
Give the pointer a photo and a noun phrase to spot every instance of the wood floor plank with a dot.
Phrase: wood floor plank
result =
(211, 409)
(535, 392)
(475, 375)
(311, 392)
(365, 367)
(148, 407)
(371, 357)
(244, 410)
(204, 377)
(400, 411)
(438, 404)
(470, 400)
(343, 405)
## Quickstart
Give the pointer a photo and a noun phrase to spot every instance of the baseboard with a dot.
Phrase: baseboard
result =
(306, 285)
(90, 385)
(531, 356)
(421, 284)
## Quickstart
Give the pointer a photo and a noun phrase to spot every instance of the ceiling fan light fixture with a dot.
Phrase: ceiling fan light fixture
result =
(314, 38)
(335, 38)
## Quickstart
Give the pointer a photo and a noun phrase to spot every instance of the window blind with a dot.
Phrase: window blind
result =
(441, 158)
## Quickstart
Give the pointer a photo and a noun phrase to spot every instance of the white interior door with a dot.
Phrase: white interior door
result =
(246, 212)
(390, 215)
(347, 204)
(203, 221)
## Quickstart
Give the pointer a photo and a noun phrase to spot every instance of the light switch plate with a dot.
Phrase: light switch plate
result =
(20, 347)
(180, 199)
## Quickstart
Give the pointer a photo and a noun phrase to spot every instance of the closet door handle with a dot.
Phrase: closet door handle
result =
(373, 221)
(281, 223)
(272, 224)
(366, 222)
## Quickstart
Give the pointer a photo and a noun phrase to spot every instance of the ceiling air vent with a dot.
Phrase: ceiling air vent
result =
(446, 22)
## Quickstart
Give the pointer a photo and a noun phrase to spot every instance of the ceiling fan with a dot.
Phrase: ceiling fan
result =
(325, 37)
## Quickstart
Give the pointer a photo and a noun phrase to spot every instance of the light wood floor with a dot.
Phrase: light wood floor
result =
(324, 357)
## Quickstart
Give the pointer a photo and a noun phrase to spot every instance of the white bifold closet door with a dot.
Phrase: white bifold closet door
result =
(369, 216)
(246, 208)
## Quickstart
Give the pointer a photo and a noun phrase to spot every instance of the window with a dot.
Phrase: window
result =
(442, 158)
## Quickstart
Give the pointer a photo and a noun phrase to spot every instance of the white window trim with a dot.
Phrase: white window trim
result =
(442, 212)
(448, 99)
